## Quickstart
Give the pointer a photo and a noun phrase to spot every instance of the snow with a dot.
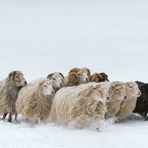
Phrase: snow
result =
(43, 36)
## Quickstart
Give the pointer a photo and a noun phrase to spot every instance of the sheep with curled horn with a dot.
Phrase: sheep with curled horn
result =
(77, 76)
(99, 77)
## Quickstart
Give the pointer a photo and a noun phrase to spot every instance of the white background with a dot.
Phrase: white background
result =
(43, 36)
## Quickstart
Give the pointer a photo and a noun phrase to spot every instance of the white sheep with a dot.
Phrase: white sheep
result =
(57, 78)
(117, 93)
(34, 101)
(79, 104)
(128, 105)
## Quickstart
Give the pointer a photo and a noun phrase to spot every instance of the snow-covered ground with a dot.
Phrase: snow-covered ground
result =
(42, 36)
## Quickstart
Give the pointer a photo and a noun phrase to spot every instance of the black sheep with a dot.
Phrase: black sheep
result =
(142, 101)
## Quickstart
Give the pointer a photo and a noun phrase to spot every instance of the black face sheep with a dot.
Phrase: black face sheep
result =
(142, 101)
(9, 89)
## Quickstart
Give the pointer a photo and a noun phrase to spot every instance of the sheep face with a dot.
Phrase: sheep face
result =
(132, 90)
(144, 91)
(117, 91)
(99, 93)
(17, 78)
(79, 75)
(47, 89)
(99, 77)
(102, 90)
(58, 79)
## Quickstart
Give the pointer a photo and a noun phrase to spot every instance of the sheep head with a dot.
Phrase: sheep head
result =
(79, 75)
(117, 91)
(99, 77)
(132, 89)
(58, 79)
(17, 78)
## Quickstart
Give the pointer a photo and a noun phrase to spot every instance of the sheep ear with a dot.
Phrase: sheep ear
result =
(73, 77)
(11, 75)
(104, 75)
(87, 91)
(49, 76)
(140, 84)
(88, 71)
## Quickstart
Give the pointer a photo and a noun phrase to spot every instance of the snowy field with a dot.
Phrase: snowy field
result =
(43, 36)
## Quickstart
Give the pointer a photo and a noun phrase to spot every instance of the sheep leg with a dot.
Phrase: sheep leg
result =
(10, 117)
(144, 115)
(4, 116)
(15, 117)
(80, 123)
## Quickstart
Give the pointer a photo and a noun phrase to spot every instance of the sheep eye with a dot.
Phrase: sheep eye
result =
(130, 86)
(16, 77)
(80, 75)
(45, 86)
(54, 79)
(117, 90)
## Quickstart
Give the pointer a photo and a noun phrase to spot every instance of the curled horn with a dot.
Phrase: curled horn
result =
(73, 77)
(105, 76)
(96, 77)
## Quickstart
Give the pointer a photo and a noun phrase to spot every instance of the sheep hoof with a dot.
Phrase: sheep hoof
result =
(98, 130)
(145, 118)
(9, 120)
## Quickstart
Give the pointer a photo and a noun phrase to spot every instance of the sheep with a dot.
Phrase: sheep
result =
(77, 76)
(57, 78)
(142, 101)
(34, 101)
(99, 77)
(128, 105)
(9, 89)
(117, 93)
(79, 104)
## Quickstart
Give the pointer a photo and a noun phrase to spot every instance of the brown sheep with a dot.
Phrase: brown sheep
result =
(9, 89)
(99, 77)
(78, 76)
